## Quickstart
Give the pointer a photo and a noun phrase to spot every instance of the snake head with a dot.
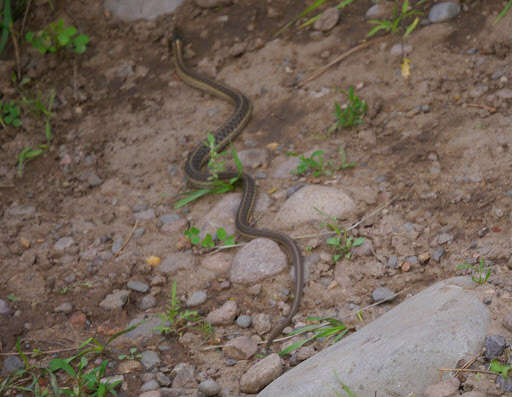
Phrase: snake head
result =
(176, 35)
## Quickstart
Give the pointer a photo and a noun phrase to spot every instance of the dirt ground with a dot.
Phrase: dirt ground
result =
(438, 144)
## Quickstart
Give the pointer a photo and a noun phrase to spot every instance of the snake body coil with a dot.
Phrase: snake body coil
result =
(224, 135)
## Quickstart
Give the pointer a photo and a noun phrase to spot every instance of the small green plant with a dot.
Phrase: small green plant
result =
(345, 388)
(175, 320)
(317, 165)
(56, 36)
(397, 23)
(84, 383)
(308, 10)
(343, 159)
(480, 272)
(314, 163)
(342, 243)
(27, 154)
(13, 298)
(39, 106)
(132, 355)
(63, 376)
(9, 114)
(329, 328)
(208, 242)
(499, 368)
(351, 115)
(216, 165)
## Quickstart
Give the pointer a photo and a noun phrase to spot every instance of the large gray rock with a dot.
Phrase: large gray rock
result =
(400, 352)
(130, 10)
(300, 208)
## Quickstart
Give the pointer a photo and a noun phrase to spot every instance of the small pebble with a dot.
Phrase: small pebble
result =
(65, 307)
(147, 302)
(244, 321)
(149, 359)
(382, 293)
(162, 379)
(150, 385)
(197, 298)
(137, 286)
(494, 346)
(436, 256)
(393, 261)
(209, 387)
(4, 307)
(504, 384)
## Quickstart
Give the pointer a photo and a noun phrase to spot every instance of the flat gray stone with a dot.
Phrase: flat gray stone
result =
(116, 300)
(300, 208)
(149, 359)
(400, 352)
(130, 10)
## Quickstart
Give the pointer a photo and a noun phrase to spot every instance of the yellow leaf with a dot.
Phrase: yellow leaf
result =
(272, 190)
(153, 260)
(406, 68)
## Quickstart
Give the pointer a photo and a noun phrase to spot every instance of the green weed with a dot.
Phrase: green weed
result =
(396, 24)
(342, 243)
(175, 320)
(351, 115)
(329, 328)
(345, 388)
(68, 376)
(308, 10)
(132, 355)
(216, 165)
(9, 114)
(56, 36)
(344, 164)
(208, 242)
(6, 24)
(499, 368)
(27, 154)
(316, 164)
(480, 272)
(39, 106)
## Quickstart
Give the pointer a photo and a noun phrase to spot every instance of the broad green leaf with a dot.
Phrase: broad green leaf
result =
(221, 233)
(60, 364)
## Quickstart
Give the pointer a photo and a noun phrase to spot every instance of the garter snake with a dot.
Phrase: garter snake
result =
(223, 136)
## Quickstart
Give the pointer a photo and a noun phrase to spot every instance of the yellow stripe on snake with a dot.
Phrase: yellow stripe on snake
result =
(223, 136)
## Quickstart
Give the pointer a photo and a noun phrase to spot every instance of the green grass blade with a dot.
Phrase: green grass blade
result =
(7, 22)
(504, 12)
(191, 196)
(312, 7)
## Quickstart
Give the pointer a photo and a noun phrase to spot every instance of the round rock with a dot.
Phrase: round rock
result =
(259, 259)
(444, 11)
(300, 208)
(209, 387)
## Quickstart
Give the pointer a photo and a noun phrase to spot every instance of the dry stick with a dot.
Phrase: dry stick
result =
(321, 70)
(127, 240)
(25, 17)
(480, 371)
(41, 353)
(490, 109)
(16, 52)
